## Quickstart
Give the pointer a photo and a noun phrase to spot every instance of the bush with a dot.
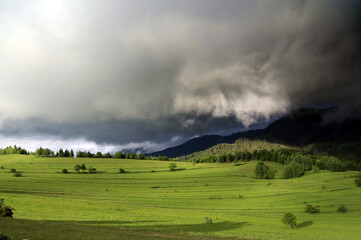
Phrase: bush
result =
(5, 211)
(17, 175)
(293, 170)
(13, 170)
(289, 219)
(263, 171)
(121, 170)
(92, 170)
(65, 171)
(322, 162)
(351, 166)
(358, 182)
(172, 166)
(311, 209)
(208, 220)
(77, 168)
(4, 237)
(335, 165)
(2, 167)
(305, 161)
(342, 209)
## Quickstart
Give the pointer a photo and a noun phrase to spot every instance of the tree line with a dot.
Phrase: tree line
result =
(280, 156)
(46, 152)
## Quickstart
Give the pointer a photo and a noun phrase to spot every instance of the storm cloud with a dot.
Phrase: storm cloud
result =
(120, 72)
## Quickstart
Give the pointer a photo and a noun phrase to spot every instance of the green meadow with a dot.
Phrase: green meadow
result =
(151, 202)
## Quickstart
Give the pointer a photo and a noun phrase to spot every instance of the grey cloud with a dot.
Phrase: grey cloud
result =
(135, 71)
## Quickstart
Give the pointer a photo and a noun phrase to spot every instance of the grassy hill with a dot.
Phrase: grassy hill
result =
(143, 204)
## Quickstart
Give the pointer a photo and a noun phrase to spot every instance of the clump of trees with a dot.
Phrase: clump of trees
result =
(5, 210)
(65, 171)
(311, 209)
(293, 170)
(13, 150)
(331, 163)
(83, 168)
(263, 171)
(78, 167)
(121, 170)
(46, 152)
(289, 219)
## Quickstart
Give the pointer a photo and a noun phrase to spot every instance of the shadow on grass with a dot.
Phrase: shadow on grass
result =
(109, 222)
(202, 227)
(99, 230)
(304, 224)
(178, 169)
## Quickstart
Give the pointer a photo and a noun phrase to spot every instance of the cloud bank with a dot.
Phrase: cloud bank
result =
(115, 72)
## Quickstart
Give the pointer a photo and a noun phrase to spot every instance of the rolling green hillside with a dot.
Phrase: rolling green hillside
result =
(151, 202)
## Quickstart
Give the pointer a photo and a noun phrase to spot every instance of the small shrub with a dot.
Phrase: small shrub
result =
(358, 182)
(289, 219)
(121, 170)
(311, 209)
(92, 170)
(13, 170)
(263, 171)
(2, 167)
(172, 166)
(5, 211)
(208, 220)
(77, 168)
(342, 209)
(4, 237)
(17, 175)
(65, 171)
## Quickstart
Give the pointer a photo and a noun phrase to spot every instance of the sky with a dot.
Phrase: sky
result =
(106, 75)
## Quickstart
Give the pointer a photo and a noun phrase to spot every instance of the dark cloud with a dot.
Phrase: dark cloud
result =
(115, 72)
(124, 131)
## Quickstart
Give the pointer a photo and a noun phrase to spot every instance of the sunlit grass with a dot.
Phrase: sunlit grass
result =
(149, 201)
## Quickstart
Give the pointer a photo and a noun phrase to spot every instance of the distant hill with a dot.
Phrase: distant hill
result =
(241, 145)
(298, 128)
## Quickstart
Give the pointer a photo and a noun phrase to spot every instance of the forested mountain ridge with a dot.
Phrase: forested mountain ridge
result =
(298, 128)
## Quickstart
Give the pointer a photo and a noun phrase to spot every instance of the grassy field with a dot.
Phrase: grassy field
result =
(142, 204)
